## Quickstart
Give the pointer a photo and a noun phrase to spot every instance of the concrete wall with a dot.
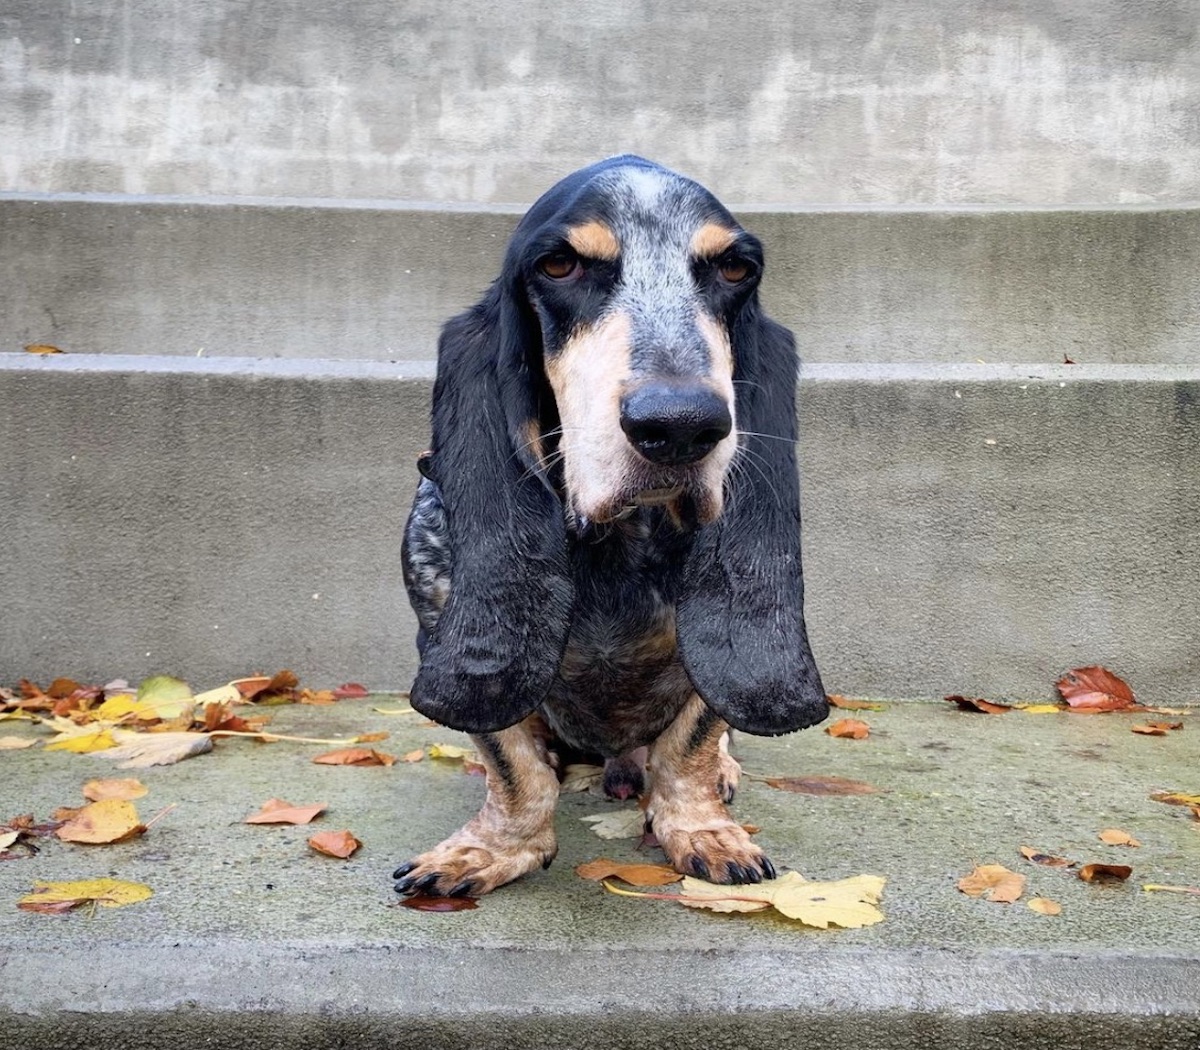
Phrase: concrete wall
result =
(1047, 101)
(282, 279)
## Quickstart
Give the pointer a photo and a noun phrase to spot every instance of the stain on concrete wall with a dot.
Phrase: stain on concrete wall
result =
(818, 101)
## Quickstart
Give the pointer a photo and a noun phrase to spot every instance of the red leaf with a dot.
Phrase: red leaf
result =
(351, 691)
(421, 902)
(1095, 689)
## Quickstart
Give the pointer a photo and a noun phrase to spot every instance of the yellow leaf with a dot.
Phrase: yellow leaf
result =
(127, 789)
(121, 706)
(993, 882)
(83, 743)
(697, 894)
(1045, 906)
(449, 752)
(1040, 709)
(62, 896)
(16, 743)
(100, 823)
(849, 903)
(225, 694)
(24, 716)
(167, 697)
(42, 348)
(7, 838)
(394, 710)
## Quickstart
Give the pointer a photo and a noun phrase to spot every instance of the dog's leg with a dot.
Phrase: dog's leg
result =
(511, 835)
(688, 779)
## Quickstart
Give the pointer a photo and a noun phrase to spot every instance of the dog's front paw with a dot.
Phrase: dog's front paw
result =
(473, 862)
(716, 851)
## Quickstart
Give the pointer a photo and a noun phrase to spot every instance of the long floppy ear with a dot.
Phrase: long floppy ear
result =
(741, 609)
(497, 645)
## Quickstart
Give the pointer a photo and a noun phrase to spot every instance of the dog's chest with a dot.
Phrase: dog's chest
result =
(621, 681)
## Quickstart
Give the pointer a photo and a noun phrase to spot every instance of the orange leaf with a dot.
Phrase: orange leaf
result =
(338, 844)
(1045, 906)
(101, 823)
(815, 785)
(993, 882)
(355, 756)
(1096, 689)
(277, 811)
(634, 874)
(1156, 728)
(414, 756)
(1117, 837)
(372, 738)
(846, 704)
(126, 789)
(973, 703)
(1105, 872)
(317, 697)
(1036, 856)
(42, 348)
(850, 728)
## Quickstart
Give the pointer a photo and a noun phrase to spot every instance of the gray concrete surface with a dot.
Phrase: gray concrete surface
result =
(252, 941)
(818, 101)
(970, 528)
(376, 280)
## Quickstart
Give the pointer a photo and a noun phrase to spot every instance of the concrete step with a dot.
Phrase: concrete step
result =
(375, 279)
(968, 528)
(250, 940)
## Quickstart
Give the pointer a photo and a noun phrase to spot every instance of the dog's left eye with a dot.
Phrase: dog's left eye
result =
(560, 266)
(734, 270)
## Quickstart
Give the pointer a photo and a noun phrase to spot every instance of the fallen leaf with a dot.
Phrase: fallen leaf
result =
(317, 697)
(351, 691)
(102, 823)
(42, 348)
(125, 707)
(55, 897)
(355, 756)
(580, 776)
(413, 756)
(1045, 906)
(1175, 798)
(141, 750)
(1117, 837)
(634, 874)
(1040, 709)
(617, 823)
(394, 710)
(974, 703)
(279, 689)
(83, 742)
(423, 902)
(225, 694)
(994, 883)
(20, 714)
(165, 696)
(1105, 872)
(16, 743)
(1036, 856)
(338, 844)
(372, 738)
(7, 838)
(449, 752)
(818, 785)
(846, 704)
(1095, 688)
(127, 789)
(849, 728)
(277, 811)
(1152, 888)
(1156, 728)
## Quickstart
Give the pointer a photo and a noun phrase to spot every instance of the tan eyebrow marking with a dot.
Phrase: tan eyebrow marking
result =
(594, 240)
(711, 240)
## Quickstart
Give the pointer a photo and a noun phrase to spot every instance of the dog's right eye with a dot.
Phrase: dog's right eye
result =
(561, 266)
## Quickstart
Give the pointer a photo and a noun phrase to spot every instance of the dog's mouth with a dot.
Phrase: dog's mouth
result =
(688, 503)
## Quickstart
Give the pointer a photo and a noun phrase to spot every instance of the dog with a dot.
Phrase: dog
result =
(606, 535)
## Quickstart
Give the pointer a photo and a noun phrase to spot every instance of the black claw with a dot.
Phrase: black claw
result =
(547, 860)
(425, 884)
(727, 793)
(699, 868)
(404, 869)
(404, 885)
(462, 889)
(737, 874)
(768, 868)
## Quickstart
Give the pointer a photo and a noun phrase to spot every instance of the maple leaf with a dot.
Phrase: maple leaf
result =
(355, 756)
(102, 823)
(127, 789)
(994, 883)
(849, 728)
(141, 750)
(52, 898)
(634, 874)
(277, 811)
(1095, 689)
(617, 823)
(338, 844)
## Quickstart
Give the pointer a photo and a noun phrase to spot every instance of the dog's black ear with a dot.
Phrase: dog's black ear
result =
(493, 654)
(741, 609)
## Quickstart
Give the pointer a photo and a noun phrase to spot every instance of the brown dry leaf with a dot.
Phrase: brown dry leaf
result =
(1105, 872)
(849, 728)
(634, 874)
(846, 704)
(53, 898)
(101, 823)
(617, 823)
(1175, 798)
(413, 756)
(818, 785)
(280, 689)
(351, 691)
(580, 776)
(42, 348)
(372, 738)
(355, 756)
(141, 750)
(1095, 689)
(1045, 906)
(277, 811)
(1036, 856)
(317, 697)
(64, 813)
(423, 902)
(974, 703)
(1156, 728)
(16, 743)
(993, 882)
(127, 789)
(1117, 837)
(338, 844)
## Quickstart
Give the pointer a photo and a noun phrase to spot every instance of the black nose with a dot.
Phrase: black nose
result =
(674, 424)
